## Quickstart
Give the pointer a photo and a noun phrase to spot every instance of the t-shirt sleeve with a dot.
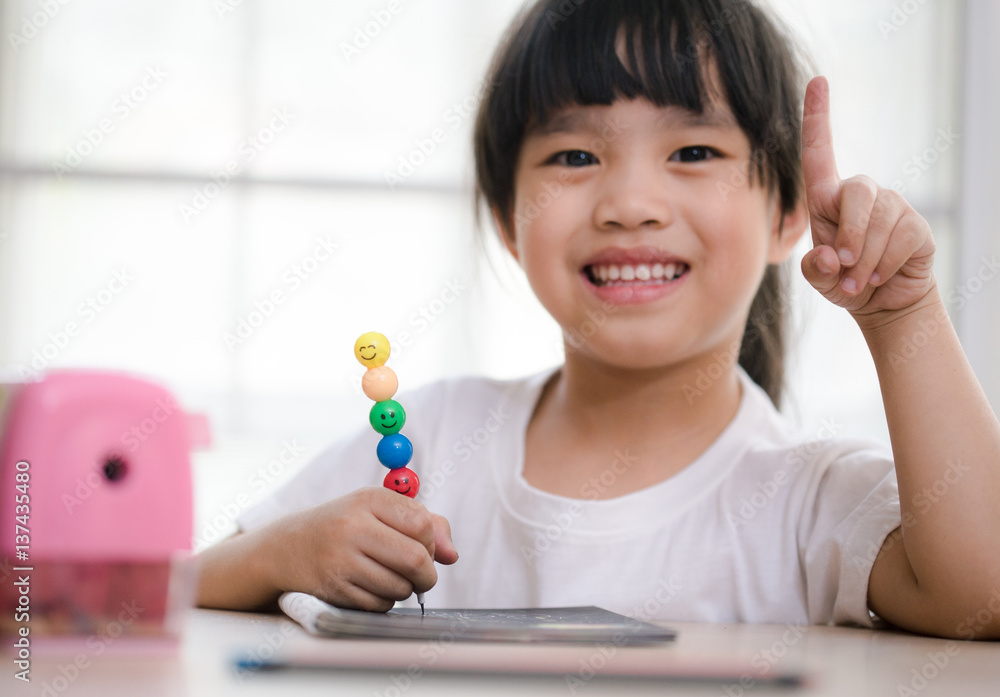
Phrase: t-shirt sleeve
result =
(855, 505)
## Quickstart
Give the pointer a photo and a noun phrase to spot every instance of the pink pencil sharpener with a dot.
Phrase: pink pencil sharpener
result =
(95, 506)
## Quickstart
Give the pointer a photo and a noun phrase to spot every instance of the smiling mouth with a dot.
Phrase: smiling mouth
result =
(404, 492)
(369, 357)
(602, 275)
(392, 425)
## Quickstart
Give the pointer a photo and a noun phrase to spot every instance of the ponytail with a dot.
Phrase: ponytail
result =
(762, 353)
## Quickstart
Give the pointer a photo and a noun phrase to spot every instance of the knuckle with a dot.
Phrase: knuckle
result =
(891, 199)
(910, 231)
(351, 526)
(405, 503)
(862, 183)
(377, 493)
(916, 221)
(414, 559)
(419, 521)
(425, 523)
(855, 226)
(362, 498)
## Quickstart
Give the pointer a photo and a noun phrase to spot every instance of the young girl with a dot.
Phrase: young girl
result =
(648, 165)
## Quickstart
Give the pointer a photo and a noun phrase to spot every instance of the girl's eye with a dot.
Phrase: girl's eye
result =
(573, 158)
(694, 153)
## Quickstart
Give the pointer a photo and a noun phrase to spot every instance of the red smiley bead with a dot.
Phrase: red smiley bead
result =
(403, 480)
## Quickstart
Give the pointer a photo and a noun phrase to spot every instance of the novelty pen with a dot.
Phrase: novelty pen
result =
(387, 417)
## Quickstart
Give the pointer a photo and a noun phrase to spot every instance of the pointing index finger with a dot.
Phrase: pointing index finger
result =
(818, 163)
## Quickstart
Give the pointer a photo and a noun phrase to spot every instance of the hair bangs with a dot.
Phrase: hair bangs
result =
(599, 53)
(691, 54)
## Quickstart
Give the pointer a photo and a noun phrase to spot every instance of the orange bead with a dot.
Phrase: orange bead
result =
(379, 384)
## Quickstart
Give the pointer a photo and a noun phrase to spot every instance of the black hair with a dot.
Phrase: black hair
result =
(670, 52)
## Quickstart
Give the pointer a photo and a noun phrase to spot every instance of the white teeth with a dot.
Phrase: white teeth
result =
(642, 273)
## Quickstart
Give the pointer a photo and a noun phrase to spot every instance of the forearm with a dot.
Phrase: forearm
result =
(946, 445)
(234, 574)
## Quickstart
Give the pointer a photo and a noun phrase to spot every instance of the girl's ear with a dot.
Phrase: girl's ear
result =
(787, 230)
(506, 232)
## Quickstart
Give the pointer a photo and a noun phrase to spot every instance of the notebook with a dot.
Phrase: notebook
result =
(572, 644)
(524, 625)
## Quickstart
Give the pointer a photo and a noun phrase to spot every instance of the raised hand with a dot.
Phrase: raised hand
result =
(872, 252)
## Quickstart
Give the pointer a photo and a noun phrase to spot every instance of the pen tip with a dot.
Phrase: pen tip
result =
(421, 609)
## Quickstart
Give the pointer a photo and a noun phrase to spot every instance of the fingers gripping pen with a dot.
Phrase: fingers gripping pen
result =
(387, 417)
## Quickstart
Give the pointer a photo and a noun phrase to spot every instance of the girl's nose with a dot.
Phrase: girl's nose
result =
(632, 197)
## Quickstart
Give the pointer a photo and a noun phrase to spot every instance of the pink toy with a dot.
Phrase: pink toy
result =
(95, 499)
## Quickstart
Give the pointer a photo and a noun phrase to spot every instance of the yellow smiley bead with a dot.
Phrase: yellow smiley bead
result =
(379, 384)
(371, 349)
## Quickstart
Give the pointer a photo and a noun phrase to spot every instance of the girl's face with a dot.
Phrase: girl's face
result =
(639, 231)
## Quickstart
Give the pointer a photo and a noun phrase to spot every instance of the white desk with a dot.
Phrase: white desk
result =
(839, 661)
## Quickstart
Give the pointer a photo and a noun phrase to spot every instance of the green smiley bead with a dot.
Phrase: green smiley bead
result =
(387, 417)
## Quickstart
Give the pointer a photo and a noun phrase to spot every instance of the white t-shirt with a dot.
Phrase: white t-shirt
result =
(767, 525)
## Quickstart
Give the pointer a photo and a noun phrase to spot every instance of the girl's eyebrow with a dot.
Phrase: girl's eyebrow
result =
(588, 120)
(709, 117)
(569, 122)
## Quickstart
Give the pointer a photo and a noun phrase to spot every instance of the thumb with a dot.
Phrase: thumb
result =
(444, 548)
(821, 267)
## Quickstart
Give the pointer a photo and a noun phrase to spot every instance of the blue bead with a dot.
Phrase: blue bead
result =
(394, 451)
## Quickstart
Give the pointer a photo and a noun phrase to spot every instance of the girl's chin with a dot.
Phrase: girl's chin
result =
(613, 355)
